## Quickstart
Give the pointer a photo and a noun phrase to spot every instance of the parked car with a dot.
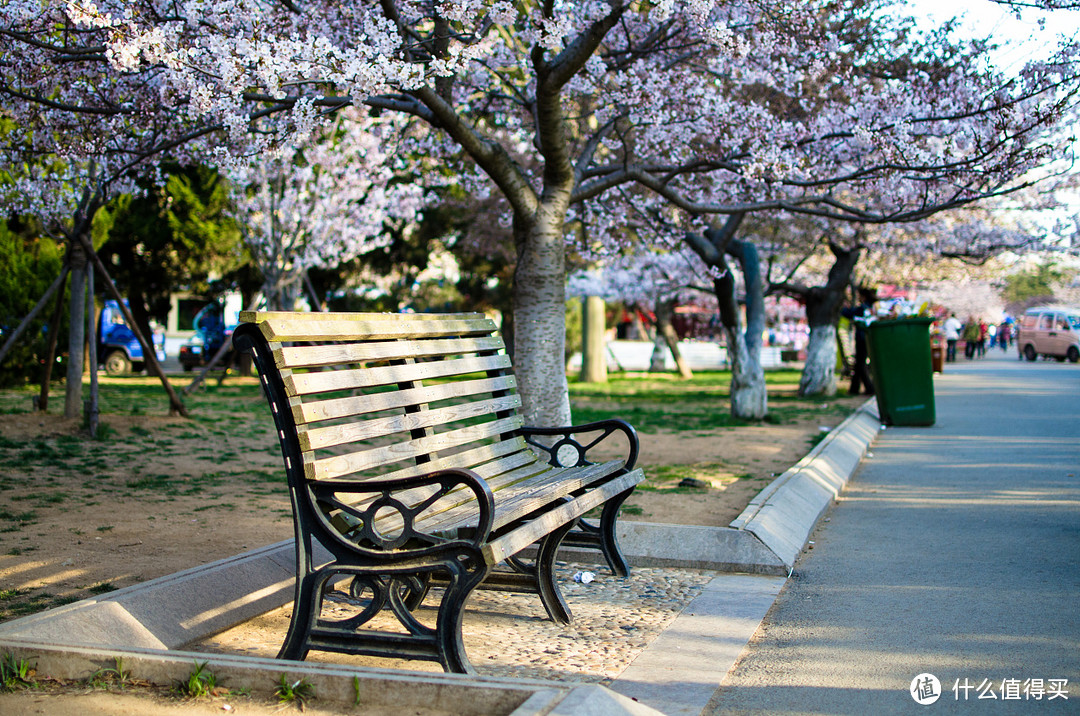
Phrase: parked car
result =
(210, 333)
(1052, 331)
(118, 349)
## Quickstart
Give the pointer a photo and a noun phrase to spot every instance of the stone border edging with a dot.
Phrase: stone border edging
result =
(379, 688)
(784, 514)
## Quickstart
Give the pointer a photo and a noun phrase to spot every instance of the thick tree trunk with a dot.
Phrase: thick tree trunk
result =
(540, 316)
(819, 372)
(76, 331)
(91, 409)
(593, 344)
(749, 398)
(822, 313)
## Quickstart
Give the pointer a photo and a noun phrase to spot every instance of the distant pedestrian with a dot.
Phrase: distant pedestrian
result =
(860, 375)
(951, 329)
(1004, 335)
(971, 336)
(980, 346)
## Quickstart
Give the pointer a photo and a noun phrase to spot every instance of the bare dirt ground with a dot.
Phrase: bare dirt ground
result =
(157, 495)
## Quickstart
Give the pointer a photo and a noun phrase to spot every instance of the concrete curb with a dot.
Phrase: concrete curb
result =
(784, 514)
(370, 688)
(145, 624)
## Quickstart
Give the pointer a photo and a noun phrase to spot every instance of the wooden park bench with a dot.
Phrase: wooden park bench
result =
(408, 461)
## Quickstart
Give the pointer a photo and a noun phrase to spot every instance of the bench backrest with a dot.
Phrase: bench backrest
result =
(393, 395)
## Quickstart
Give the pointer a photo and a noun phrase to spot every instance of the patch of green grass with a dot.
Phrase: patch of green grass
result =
(24, 517)
(15, 673)
(200, 682)
(23, 602)
(700, 405)
(298, 692)
(150, 482)
(107, 677)
(102, 588)
(105, 432)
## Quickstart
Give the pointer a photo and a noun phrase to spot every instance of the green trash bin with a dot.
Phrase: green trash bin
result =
(902, 370)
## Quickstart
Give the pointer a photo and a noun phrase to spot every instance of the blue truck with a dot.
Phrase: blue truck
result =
(117, 348)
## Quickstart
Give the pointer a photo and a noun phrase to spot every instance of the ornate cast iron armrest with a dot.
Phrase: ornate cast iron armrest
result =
(359, 522)
(568, 451)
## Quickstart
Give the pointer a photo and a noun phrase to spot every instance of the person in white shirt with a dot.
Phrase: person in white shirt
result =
(951, 329)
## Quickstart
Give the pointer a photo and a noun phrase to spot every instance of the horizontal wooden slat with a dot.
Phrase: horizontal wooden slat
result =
(498, 474)
(256, 316)
(335, 408)
(303, 356)
(474, 459)
(459, 498)
(521, 498)
(338, 465)
(335, 327)
(329, 380)
(518, 539)
(330, 435)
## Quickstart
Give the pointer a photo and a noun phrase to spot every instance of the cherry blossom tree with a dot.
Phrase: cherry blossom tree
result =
(889, 127)
(496, 80)
(322, 204)
(716, 107)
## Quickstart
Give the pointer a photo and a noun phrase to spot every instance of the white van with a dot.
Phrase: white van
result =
(1052, 331)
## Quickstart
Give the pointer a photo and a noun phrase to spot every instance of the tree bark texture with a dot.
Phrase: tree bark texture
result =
(91, 410)
(819, 371)
(540, 317)
(823, 305)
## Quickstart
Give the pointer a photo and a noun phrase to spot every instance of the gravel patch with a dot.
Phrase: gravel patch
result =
(509, 635)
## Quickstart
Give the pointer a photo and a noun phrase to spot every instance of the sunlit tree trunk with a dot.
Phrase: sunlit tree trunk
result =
(540, 317)
(593, 343)
(823, 305)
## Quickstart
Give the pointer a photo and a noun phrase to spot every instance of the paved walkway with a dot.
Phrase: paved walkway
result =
(955, 551)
